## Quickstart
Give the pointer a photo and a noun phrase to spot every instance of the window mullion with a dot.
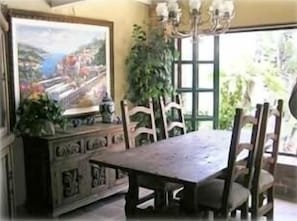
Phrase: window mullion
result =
(195, 107)
(216, 82)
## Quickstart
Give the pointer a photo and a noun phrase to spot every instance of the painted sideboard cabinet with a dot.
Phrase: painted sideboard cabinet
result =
(59, 177)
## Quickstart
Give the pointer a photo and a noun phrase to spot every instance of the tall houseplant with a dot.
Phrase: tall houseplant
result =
(149, 65)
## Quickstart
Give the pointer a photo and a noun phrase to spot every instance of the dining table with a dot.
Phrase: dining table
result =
(188, 159)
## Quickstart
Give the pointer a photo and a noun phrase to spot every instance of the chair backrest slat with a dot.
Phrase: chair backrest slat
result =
(265, 137)
(148, 130)
(175, 123)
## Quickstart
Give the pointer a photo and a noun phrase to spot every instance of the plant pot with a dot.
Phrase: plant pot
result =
(42, 128)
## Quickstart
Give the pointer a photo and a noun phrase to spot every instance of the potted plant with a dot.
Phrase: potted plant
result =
(38, 116)
(149, 65)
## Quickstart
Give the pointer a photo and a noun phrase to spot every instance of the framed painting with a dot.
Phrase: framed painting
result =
(68, 58)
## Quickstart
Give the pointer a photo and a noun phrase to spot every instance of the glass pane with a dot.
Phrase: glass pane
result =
(1, 106)
(205, 104)
(206, 48)
(187, 75)
(187, 102)
(205, 125)
(175, 75)
(260, 53)
(187, 49)
(206, 76)
(189, 126)
(2, 94)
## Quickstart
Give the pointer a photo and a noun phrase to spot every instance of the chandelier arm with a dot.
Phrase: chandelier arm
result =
(215, 24)
(177, 34)
(218, 17)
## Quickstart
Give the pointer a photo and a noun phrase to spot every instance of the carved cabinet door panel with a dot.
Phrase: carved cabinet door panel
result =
(69, 183)
(7, 208)
(98, 179)
(118, 177)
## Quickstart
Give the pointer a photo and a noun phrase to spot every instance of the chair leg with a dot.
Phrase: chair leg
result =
(169, 198)
(261, 199)
(270, 197)
(233, 213)
(220, 216)
(244, 208)
(255, 205)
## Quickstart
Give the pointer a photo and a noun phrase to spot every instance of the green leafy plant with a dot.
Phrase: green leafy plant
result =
(229, 100)
(37, 116)
(149, 65)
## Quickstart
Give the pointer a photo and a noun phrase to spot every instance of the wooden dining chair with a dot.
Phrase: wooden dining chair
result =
(265, 164)
(145, 133)
(172, 117)
(223, 196)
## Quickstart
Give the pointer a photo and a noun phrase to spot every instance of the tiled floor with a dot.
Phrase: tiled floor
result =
(112, 209)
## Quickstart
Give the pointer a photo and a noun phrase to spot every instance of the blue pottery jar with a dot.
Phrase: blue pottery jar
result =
(106, 108)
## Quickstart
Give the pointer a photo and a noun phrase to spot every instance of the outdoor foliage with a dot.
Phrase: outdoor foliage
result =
(231, 97)
(271, 66)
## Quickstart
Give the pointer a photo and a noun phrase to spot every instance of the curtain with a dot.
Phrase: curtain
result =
(293, 101)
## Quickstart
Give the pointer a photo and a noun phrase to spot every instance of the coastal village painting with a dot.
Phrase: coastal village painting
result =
(67, 61)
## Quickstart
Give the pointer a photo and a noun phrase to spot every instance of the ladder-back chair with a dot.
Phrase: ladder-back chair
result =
(172, 116)
(224, 196)
(149, 134)
(265, 164)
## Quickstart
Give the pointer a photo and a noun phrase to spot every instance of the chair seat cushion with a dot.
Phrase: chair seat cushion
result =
(210, 194)
(149, 182)
(265, 179)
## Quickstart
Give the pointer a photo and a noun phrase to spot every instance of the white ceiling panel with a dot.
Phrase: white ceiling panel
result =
(56, 3)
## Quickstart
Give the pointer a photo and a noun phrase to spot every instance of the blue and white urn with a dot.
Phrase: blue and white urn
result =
(106, 108)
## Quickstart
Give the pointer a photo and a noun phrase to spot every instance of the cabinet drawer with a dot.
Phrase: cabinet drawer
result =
(66, 149)
(95, 143)
(117, 142)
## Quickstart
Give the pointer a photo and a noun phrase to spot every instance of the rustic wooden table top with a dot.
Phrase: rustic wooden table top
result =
(191, 158)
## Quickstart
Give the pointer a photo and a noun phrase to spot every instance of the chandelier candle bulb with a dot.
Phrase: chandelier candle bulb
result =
(220, 14)
(195, 4)
(173, 6)
(229, 7)
(162, 10)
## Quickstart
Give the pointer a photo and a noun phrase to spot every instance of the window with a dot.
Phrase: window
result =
(217, 74)
(265, 62)
(196, 79)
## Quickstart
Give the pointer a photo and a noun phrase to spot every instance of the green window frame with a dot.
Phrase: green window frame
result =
(197, 118)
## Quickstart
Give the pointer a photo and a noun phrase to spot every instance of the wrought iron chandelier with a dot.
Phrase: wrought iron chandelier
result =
(220, 14)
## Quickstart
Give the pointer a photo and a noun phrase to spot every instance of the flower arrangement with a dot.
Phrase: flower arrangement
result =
(38, 116)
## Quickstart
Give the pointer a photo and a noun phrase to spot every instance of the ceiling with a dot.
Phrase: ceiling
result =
(56, 3)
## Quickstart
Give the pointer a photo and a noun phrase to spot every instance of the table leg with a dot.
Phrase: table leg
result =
(160, 200)
(132, 196)
(189, 202)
